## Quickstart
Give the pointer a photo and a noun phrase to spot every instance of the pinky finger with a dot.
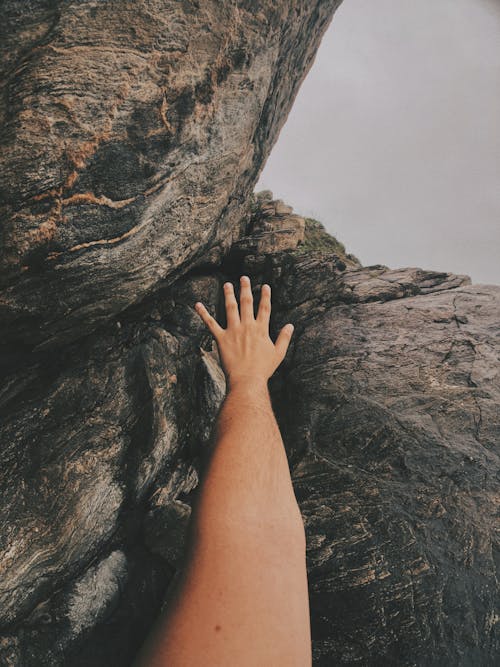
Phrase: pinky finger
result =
(210, 321)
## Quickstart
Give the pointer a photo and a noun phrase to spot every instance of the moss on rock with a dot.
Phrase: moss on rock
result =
(317, 238)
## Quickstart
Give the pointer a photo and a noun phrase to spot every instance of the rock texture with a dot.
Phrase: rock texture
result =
(393, 412)
(388, 399)
(132, 136)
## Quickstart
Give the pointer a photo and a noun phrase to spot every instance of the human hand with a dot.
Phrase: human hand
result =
(247, 352)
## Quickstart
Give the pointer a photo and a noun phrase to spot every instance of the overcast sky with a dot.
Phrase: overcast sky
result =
(394, 139)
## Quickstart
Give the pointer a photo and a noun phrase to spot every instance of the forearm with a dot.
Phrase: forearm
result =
(247, 483)
(242, 597)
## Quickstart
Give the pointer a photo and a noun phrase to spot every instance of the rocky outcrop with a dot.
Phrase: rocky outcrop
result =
(391, 410)
(387, 400)
(388, 404)
(132, 137)
(398, 482)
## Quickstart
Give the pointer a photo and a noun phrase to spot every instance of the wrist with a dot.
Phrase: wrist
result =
(250, 382)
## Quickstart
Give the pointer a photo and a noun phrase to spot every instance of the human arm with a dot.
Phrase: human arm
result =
(242, 598)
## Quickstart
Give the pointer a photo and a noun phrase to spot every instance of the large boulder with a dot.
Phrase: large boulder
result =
(390, 409)
(132, 135)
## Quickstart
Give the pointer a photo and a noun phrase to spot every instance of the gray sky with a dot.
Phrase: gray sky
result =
(393, 142)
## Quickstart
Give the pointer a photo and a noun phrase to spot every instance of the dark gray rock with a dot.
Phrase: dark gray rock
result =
(394, 418)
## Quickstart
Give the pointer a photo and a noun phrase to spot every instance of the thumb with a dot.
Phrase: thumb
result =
(283, 340)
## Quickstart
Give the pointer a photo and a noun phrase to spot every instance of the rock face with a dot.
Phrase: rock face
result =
(392, 413)
(388, 399)
(132, 136)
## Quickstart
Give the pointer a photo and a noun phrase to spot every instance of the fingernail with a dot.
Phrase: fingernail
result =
(290, 327)
(227, 284)
(245, 278)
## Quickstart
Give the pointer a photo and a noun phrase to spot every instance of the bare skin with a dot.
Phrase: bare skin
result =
(242, 598)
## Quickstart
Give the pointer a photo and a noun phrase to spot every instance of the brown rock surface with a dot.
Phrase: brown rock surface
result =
(132, 136)
(388, 399)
